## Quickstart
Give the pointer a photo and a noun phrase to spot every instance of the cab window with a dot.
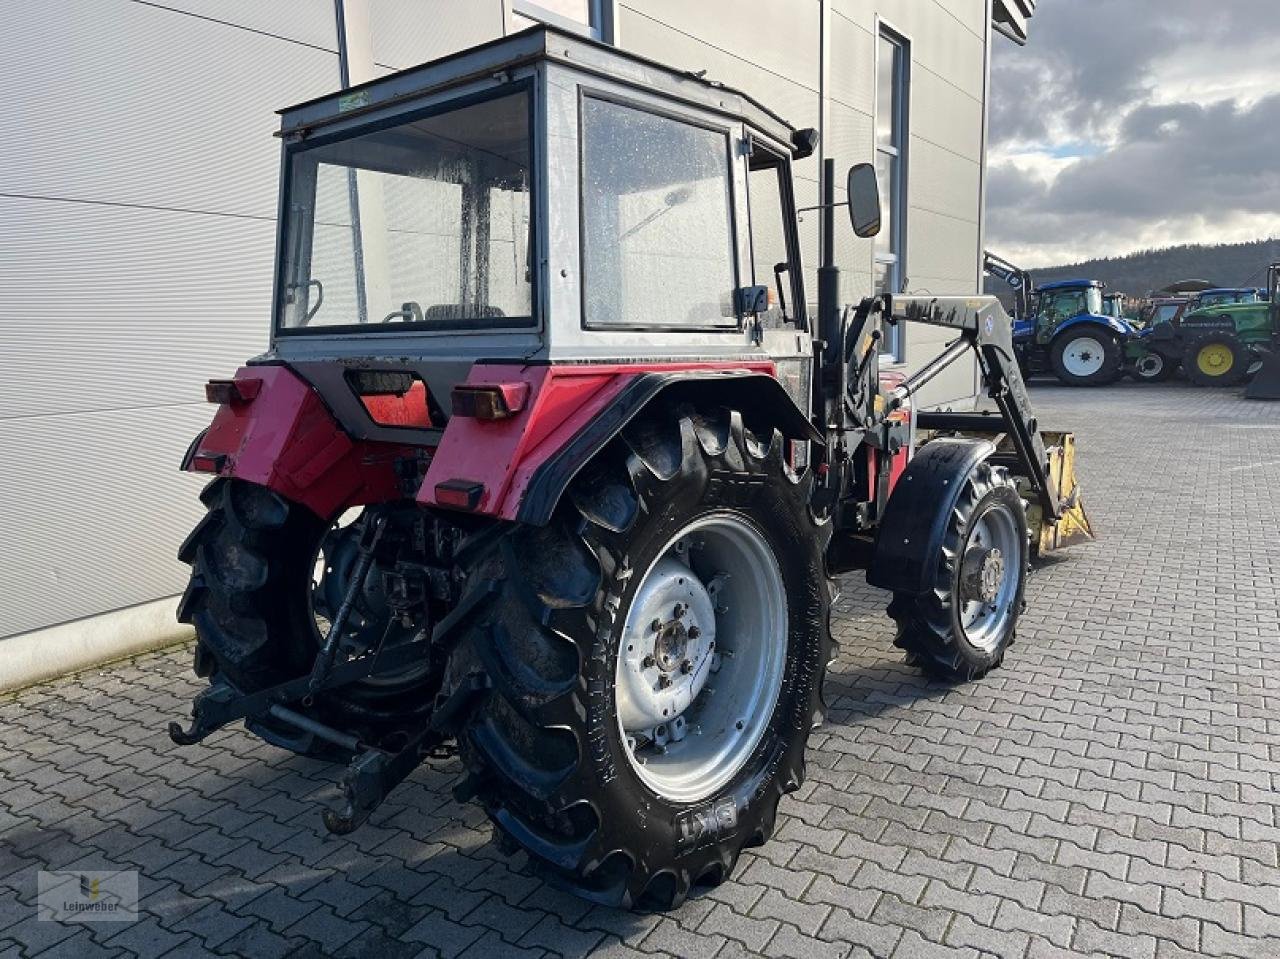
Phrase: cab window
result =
(768, 189)
(657, 221)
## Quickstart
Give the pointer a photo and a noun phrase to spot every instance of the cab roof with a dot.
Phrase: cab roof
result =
(1069, 285)
(493, 60)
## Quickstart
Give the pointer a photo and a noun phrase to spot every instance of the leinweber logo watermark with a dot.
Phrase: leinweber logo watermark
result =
(88, 896)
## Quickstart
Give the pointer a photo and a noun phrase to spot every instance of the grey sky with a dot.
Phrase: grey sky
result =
(1127, 124)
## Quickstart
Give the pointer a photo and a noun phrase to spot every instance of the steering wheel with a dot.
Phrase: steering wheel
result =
(410, 312)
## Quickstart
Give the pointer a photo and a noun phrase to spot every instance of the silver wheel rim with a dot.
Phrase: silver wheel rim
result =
(701, 657)
(1083, 356)
(990, 570)
(1151, 366)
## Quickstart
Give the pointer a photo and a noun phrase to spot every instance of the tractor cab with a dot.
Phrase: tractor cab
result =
(1223, 296)
(542, 197)
(1165, 309)
(1113, 305)
(1057, 304)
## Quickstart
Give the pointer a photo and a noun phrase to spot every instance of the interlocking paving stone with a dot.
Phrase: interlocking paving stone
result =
(1109, 791)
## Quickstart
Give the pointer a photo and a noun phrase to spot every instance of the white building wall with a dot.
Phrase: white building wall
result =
(138, 173)
(137, 213)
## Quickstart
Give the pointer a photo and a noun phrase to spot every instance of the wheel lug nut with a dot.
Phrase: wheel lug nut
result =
(694, 632)
(678, 612)
(647, 662)
(664, 681)
(686, 666)
(656, 626)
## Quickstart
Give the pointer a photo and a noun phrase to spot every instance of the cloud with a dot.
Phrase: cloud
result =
(1134, 123)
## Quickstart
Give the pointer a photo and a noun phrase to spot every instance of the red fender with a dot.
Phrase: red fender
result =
(273, 429)
(485, 466)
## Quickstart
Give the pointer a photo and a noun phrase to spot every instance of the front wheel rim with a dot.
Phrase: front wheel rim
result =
(1084, 356)
(990, 572)
(1151, 366)
(701, 657)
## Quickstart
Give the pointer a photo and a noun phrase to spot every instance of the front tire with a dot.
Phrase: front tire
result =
(1085, 355)
(566, 740)
(1153, 367)
(961, 627)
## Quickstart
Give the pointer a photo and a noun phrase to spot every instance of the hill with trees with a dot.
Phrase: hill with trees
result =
(1230, 264)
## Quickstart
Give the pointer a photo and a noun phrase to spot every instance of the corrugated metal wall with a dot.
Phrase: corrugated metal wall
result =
(137, 209)
(136, 230)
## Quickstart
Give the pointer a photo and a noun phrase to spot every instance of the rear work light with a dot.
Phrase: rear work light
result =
(498, 401)
(232, 391)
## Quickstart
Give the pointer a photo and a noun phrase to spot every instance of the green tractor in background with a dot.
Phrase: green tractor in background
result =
(1220, 338)
(1226, 338)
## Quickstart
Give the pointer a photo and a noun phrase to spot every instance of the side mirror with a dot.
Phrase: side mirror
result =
(863, 188)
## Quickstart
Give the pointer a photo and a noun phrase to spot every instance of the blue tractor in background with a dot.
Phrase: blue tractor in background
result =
(1064, 328)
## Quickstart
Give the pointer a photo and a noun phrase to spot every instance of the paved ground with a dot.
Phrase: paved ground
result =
(1110, 791)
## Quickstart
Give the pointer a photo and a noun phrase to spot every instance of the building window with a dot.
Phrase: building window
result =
(580, 16)
(892, 98)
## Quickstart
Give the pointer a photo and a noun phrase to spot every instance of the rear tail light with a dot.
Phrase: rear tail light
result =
(490, 402)
(459, 493)
(207, 462)
(232, 391)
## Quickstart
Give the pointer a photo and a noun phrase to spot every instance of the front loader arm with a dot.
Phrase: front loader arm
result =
(986, 328)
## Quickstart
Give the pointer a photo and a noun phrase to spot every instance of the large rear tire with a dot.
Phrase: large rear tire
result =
(1085, 355)
(1216, 359)
(594, 732)
(961, 627)
(252, 600)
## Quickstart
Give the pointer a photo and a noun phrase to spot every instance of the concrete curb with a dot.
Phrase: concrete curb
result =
(59, 650)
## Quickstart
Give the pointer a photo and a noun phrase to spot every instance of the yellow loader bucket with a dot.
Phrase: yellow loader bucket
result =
(1074, 526)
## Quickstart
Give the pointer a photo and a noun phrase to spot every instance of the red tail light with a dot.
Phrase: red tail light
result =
(459, 493)
(232, 391)
(208, 463)
(490, 402)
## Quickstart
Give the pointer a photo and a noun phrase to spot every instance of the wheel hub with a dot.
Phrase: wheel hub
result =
(982, 574)
(667, 650)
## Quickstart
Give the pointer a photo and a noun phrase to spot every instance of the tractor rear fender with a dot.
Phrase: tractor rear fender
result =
(915, 519)
(517, 466)
(1117, 327)
(272, 428)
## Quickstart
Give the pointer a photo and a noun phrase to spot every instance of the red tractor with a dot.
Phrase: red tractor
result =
(549, 463)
